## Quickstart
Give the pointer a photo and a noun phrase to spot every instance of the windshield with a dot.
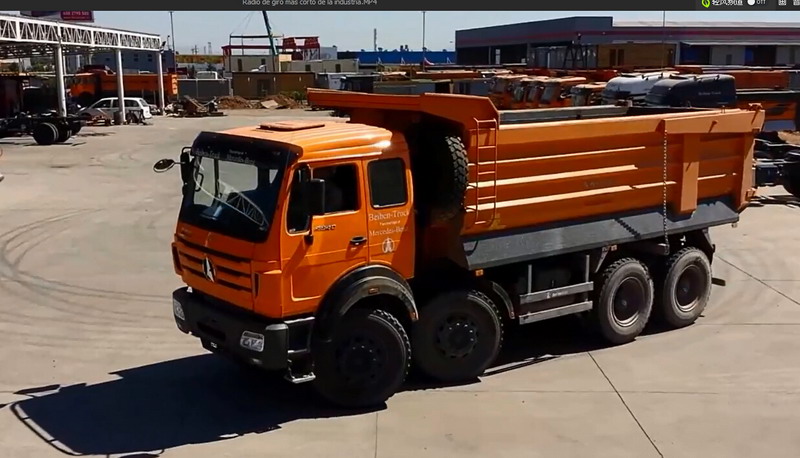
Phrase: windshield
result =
(657, 95)
(533, 93)
(233, 188)
(551, 91)
(519, 93)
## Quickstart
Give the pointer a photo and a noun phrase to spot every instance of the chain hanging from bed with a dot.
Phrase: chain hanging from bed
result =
(664, 193)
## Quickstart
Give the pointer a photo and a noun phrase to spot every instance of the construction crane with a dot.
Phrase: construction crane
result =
(276, 67)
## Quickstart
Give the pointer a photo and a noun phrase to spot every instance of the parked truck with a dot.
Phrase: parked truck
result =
(425, 227)
(92, 86)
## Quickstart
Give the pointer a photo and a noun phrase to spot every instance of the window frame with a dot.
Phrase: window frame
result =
(295, 179)
(405, 183)
(309, 221)
(356, 177)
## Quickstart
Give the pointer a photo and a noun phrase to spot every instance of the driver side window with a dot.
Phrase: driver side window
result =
(297, 220)
(341, 195)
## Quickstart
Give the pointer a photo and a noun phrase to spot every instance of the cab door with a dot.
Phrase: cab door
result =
(317, 251)
(390, 214)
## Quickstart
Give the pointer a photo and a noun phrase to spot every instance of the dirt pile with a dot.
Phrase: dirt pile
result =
(283, 101)
(790, 137)
(236, 102)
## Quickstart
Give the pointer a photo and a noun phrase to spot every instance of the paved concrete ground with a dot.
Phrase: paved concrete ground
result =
(91, 362)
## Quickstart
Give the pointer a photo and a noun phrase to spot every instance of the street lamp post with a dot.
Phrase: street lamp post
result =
(172, 30)
(423, 40)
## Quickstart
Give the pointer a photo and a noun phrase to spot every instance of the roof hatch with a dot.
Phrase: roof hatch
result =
(288, 126)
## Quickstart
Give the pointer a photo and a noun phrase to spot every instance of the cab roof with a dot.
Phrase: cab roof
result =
(306, 137)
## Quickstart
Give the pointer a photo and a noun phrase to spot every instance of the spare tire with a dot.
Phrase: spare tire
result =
(442, 175)
(45, 133)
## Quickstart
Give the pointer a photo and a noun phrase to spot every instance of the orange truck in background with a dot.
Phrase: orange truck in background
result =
(89, 87)
(557, 91)
(587, 94)
(425, 227)
(501, 89)
(526, 93)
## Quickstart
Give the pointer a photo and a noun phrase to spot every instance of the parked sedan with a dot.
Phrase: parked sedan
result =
(109, 106)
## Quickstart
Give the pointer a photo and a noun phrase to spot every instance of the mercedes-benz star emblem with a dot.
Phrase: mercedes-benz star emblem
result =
(208, 269)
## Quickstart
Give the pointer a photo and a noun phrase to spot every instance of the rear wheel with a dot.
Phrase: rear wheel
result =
(685, 289)
(45, 133)
(457, 337)
(64, 133)
(791, 179)
(366, 362)
(624, 301)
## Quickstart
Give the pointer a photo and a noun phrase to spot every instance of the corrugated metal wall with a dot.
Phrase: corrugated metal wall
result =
(204, 90)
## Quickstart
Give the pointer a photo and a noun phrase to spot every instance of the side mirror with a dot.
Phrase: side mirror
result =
(315, 193)
(163, 165)
(304, 174)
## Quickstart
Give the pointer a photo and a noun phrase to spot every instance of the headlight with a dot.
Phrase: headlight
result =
(177, 310)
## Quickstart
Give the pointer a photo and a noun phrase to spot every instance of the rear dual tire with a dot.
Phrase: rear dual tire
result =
(45, 133)
(627, 295)
(624, 301)
(684, 289)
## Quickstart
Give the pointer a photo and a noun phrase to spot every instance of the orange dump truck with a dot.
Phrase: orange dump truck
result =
(421, 230)
(87, 88)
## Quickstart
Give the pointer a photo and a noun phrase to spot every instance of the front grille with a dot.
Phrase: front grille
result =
(232, 275)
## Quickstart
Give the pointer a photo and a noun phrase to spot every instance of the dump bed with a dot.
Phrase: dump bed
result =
(554, 169)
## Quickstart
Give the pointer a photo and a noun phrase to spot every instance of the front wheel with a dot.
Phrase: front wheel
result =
(457, 337)
(624, 301)
(365, 363)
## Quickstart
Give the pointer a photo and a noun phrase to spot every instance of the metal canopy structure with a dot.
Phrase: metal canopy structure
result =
(27, 37)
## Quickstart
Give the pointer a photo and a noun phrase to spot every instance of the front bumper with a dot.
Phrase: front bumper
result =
(221, 326)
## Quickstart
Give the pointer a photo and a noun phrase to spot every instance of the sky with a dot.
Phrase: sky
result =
(353, 31)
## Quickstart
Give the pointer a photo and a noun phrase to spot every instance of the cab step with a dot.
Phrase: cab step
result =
(298, 379)
(306, 374)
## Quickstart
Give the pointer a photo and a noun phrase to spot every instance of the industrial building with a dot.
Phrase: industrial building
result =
(385, 57)
(590, 42)
(133, 61)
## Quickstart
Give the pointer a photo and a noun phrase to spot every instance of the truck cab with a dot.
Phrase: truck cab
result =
(502, 90)
(632, 87)
(556, 91)
(272, 215)
(587, 94)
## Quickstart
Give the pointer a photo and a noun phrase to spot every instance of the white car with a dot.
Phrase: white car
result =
(109, 106)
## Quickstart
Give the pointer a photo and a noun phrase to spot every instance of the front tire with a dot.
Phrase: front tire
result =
(457, 337)
(365, 363)
(685, 288)
(624, 301)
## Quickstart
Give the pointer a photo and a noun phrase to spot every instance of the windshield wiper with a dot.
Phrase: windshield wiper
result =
(238, 203)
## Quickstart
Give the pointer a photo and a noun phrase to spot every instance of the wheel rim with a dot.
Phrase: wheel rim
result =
(689, 288)
(457, 336)
(359, 359)
(628, 301)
